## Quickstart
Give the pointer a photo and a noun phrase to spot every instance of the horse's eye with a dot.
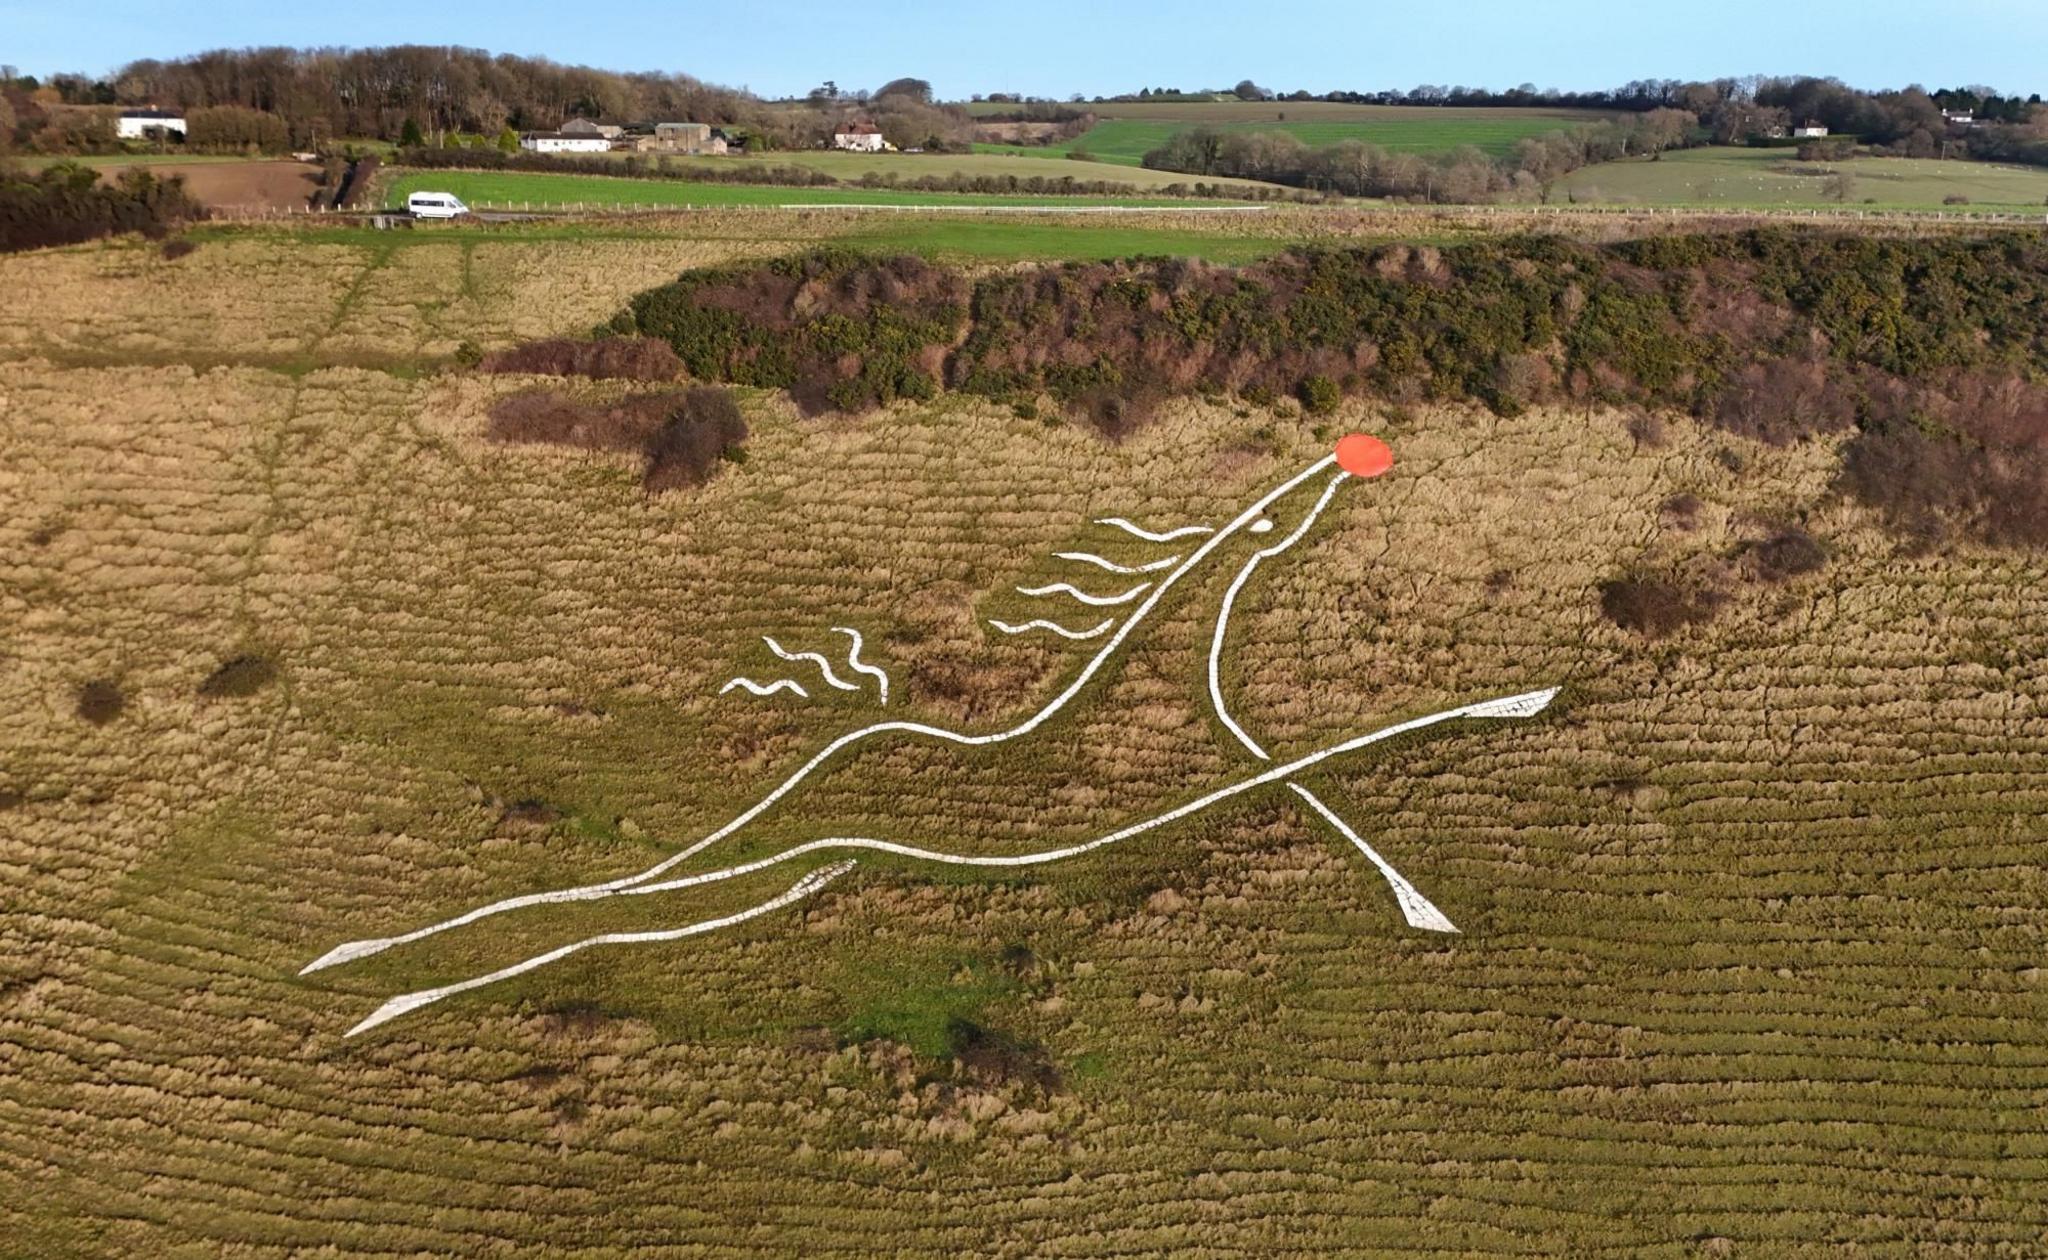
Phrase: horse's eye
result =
(1262, 526)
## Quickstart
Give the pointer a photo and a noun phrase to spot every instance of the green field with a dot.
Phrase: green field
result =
(1740, 178)
(520, 189)
(1128, 131)
(852, 166)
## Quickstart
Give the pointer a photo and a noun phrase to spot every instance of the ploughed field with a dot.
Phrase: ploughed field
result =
(223, 183)
(1752, 921)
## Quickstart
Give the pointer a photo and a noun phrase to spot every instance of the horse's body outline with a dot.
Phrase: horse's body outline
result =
(1416, 908)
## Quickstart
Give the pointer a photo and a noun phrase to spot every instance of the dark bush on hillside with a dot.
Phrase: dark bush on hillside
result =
(840, 331)
(1645, 430)
(1787, 553)
(100, 702)
(991, 1057)
(545, 416)
(179, 248)
(1681, 511)
(621, 358)
(66, 203)
(698, 432)
(1774, 335)
(242, 676)
(1968, 457)
(1781, 401)
(1320, 395)
(682, 434)
(354, 193)
(1655, 606)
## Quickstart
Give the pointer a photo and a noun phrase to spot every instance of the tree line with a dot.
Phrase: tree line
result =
(319, 96)
(1353, 168)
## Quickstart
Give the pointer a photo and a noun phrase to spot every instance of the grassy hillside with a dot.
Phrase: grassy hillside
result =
(1127, 131)
(1752, 924)
(1777, 179)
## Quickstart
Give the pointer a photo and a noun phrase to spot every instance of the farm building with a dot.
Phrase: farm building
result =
(1810, 131)
(861, 137)
(585, 127)
(138, 124)
(689, 137)
(563, 142)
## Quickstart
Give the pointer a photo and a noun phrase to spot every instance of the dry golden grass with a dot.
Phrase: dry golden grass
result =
(1752, 924)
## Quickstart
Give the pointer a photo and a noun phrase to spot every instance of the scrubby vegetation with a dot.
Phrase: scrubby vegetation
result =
(99, 701)
(63, 204)
(1969, 455)
(837, 329)
(241, 676)
(1788, 553)
(623, 358)
(683, 434)
(1655, 605)
(1925, 345)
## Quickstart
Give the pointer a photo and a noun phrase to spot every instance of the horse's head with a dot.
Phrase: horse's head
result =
(1283, 515)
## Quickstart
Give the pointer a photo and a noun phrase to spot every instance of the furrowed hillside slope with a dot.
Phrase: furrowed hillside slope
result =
(1752, 922)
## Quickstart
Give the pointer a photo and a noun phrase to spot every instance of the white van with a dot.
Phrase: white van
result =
(435, 205)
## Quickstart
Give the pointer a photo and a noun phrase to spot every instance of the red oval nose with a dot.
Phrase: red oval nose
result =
(1363, 455)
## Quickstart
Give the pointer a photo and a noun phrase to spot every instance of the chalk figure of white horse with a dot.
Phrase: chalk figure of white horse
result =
(1123, 612)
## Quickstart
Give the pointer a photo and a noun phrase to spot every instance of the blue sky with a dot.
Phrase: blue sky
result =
(1053, 47)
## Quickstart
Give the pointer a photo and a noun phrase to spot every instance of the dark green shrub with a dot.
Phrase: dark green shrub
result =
(100, 701)
(1654, 606)
(1320, 395)
(243, 676)
(1788, 553)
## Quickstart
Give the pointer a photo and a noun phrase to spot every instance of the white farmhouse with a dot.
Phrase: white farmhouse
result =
(1811, 131)
(860, 137)
(149, 124)
(563, 142)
